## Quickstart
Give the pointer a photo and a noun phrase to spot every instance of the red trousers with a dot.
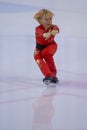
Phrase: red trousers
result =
(44, 59)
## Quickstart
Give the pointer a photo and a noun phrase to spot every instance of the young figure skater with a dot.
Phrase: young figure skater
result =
(45, 45)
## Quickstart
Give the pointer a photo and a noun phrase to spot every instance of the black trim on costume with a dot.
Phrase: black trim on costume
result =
(40, 47)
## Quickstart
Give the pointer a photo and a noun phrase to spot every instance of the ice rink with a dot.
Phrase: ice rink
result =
(25, 102)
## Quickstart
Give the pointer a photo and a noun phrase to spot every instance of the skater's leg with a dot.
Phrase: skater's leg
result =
(48, 54)
(42, 64)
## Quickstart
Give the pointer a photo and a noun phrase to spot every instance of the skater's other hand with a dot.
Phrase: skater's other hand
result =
(36, 51)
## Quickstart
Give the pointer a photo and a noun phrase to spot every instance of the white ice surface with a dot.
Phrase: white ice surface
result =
(25, 102)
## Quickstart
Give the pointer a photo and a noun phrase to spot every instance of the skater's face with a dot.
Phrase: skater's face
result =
(46, 21)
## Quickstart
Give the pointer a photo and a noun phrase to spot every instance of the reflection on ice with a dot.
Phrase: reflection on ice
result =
(43, 110)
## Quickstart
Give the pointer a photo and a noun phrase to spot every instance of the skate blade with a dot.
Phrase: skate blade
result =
(47, 82)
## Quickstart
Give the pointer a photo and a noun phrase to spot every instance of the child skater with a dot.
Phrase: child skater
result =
(45, 45)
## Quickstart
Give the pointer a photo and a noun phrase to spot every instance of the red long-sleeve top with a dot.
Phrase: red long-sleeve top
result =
(39, 30)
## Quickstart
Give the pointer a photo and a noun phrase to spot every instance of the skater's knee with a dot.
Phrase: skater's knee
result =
(49, 51)
(45, 53)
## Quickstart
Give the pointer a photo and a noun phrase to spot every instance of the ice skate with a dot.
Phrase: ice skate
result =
(55, 80)
(48, 80)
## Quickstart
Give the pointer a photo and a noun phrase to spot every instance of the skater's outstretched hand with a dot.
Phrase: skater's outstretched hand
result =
(54, 32)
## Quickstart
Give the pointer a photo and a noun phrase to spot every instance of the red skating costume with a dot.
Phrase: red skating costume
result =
(45, 50)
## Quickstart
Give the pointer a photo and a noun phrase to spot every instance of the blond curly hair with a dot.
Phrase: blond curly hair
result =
(43, 12)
